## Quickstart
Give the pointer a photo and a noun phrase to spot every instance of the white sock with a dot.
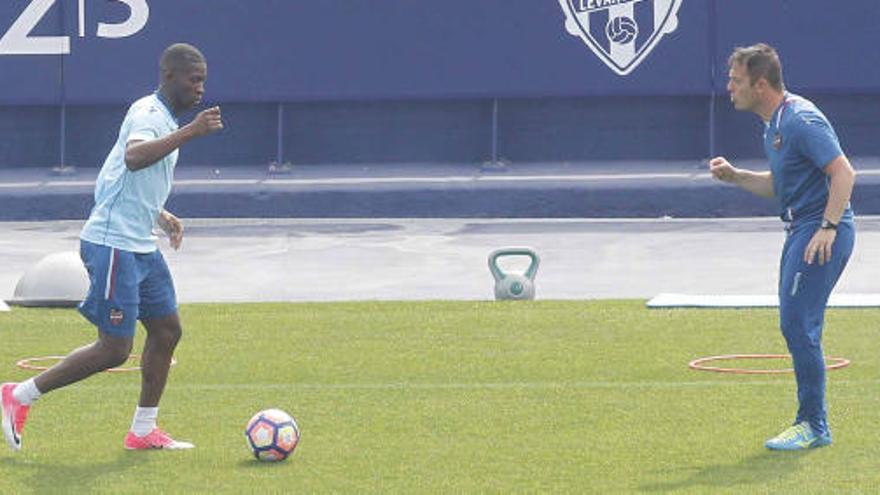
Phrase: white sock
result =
(144, 420)
(26, 392)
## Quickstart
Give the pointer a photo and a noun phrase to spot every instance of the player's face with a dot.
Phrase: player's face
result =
(742, 92)
(189, 85)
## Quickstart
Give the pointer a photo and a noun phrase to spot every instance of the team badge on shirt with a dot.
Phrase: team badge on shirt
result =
(116, 317)
(777, 141)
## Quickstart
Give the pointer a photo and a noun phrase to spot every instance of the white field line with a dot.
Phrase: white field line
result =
(399, 180)
(482, 178)
(13, 185)
(379, 180)
(733, 382)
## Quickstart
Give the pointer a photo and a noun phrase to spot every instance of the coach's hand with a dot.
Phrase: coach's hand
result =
(207, 121)
(173, 228)
(820, 246)
(722, 169)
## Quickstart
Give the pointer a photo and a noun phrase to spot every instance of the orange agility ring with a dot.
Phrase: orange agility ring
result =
(28, 364)
(832, 363)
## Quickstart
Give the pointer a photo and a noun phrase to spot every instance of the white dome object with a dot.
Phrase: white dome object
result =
(58, 280)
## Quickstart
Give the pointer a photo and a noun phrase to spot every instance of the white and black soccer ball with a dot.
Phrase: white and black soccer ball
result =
(622, 30)
(272, 435)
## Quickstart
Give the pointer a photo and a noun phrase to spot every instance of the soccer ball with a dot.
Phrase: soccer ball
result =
(621, 30)
(272, 435)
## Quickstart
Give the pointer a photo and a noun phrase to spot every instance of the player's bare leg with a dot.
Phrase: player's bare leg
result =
(108, 351)
(163, 334)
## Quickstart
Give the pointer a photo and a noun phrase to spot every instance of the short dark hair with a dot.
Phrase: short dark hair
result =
(180, 56)
(760, 60)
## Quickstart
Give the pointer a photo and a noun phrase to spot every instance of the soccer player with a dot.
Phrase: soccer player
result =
(812, 180)
(129, 279)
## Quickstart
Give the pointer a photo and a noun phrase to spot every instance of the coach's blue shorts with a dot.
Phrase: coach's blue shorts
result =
(125, 287)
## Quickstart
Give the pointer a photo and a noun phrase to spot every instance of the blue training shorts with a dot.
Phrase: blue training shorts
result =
(125, 287)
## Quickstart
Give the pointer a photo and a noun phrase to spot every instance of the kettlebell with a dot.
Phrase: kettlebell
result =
(514, 286)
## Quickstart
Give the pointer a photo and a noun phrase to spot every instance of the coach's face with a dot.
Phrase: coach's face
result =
(188, 85)
(742, 92)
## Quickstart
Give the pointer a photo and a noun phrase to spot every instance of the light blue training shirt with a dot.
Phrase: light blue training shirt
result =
(127, 204)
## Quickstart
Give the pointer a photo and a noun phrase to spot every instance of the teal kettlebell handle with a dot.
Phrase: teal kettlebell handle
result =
(498, 253)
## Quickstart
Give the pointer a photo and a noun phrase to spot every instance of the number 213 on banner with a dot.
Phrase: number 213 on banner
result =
(18, 39)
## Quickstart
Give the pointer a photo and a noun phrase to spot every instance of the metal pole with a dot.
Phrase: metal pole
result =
(713, 52)
(62, 131)
(279, 157)
(63, 137)
(494, 131)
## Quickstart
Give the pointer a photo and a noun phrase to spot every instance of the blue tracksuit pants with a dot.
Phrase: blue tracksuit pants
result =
(803, 295)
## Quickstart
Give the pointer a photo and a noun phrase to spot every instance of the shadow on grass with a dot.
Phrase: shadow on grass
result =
(757, 469)
(66, 478)
(255, 464)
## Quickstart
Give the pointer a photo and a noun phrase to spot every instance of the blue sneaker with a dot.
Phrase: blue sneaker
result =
(798, 437)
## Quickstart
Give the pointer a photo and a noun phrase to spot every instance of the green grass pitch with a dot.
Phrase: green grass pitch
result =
(452, 397)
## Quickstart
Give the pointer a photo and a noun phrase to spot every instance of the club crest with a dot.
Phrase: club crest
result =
(621, 32)
(116, 317)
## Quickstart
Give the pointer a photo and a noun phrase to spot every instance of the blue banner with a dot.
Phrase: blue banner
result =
(99, 51)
